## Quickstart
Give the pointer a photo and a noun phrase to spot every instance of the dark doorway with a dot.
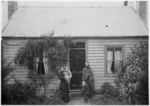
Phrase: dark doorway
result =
(77, 61)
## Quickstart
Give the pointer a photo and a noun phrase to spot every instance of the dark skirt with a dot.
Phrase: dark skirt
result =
(64, 89)
(90, 89)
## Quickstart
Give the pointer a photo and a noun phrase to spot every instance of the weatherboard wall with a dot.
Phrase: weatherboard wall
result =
(95, 54)
(96, 51)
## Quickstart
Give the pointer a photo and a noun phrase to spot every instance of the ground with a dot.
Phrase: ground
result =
(77, 99)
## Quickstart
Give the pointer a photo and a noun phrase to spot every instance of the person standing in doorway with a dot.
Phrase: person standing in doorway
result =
(87, 81)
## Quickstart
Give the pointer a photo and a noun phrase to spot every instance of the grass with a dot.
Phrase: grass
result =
(102, 100)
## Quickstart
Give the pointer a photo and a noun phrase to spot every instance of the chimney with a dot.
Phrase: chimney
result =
(4, 13)
(125, 3)
(12, 7)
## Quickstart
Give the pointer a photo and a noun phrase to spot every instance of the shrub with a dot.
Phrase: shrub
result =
(18, 93)
(102, 100)
(108, 90)
(7, 68)
(23, 93)
(132, 76)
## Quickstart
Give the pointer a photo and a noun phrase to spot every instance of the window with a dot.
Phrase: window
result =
(42, 65)
(113, 59)
(78, 45)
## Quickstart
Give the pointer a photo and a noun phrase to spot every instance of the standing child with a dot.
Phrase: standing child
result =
(85, 91)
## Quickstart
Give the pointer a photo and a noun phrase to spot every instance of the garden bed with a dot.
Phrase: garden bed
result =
(102, 100)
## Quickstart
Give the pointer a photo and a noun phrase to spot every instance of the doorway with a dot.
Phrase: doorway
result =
(77, 61)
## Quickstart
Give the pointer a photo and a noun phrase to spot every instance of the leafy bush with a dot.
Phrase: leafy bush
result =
(18, 93)
(102, 100)
(7, 68)
(132, 76)
(25, 93)
(108, 90)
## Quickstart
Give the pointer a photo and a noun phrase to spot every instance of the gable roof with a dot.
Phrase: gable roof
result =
(79, 22)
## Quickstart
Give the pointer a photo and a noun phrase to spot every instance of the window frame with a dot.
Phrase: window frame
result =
(85, 48)
(105, 57)
(35, 74)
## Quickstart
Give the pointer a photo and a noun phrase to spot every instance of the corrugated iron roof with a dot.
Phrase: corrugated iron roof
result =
(79, 22)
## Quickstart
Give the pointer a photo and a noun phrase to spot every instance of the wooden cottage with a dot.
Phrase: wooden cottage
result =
(104, 37)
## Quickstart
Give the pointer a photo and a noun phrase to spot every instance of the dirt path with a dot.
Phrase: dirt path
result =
(77, 100)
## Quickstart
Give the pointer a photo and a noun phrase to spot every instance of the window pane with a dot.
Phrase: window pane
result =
(45, 61)
(114, 58)
(118, 55)
(113, 67)
(109, 55)
(118, 49)
(41, 67)
(79, 45)
(110, 49)
(109, 66)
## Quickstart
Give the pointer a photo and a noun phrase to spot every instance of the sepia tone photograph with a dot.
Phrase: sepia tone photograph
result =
(74, 53)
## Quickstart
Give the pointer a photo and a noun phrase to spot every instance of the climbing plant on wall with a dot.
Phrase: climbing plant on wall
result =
(55, 50)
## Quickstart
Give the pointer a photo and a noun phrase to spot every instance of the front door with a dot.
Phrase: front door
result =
(77, 61)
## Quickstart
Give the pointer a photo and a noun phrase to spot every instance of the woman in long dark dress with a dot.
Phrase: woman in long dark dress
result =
(64, 87)
(87, 81)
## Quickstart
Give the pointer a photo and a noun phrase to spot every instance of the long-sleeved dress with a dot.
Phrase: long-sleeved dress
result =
(87, 76)
(64, 89)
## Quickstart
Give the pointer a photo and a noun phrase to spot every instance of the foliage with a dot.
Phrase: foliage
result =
(48, 45)
(108, 90)
(132, 76)
(102, 100)
(25, 93)
(7, 68)
(18, 93)
(55, 50)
